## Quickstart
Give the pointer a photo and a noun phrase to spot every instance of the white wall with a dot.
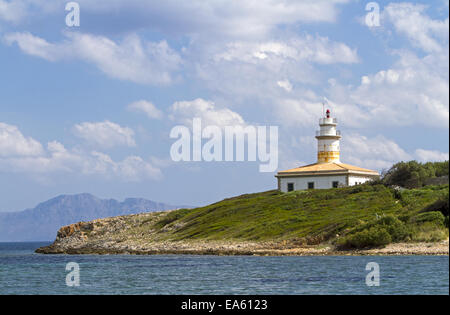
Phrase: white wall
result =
(320, 182)
(353, 180)
(328, 145)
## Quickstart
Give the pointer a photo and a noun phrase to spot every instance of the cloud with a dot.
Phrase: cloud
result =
(185, 111)
(431, 156)
(413, 92)
(376, 147)
(233, 18)
(380, 152)
(29, 156)
(131, 59)
(147, 108)
(375, 153)
(285, 84)
(314, 49)
(11, 11)
(243, 69)
(425, 33)
(14, 143)
(298, 112)
(16, 11)
(105, 134)
(132, 168)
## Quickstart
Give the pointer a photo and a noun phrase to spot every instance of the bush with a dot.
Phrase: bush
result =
(442, 205)
(396, 228)
(429, 232)
(379, 232)
(435, 217)
(374, 237)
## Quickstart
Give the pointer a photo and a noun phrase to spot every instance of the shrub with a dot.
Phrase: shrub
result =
(404, 218)
(429, 232)
(380, 232)
(434, 217)
(396, 228)
(442, 205)
(374, 237)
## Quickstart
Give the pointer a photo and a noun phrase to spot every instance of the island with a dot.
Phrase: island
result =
(368, 219)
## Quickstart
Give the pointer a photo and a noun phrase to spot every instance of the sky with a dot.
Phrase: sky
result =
(90, 108)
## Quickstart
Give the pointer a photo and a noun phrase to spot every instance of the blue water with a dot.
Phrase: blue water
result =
(24, 272)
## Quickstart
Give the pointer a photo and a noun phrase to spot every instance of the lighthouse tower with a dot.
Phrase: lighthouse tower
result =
(328, 137)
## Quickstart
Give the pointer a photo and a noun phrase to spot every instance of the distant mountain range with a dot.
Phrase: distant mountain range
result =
(42, 222)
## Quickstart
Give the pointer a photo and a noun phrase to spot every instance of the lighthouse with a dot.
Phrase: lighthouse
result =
(328, 140)
(328, 171)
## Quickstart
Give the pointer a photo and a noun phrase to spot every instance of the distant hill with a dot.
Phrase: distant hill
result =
(42, 222)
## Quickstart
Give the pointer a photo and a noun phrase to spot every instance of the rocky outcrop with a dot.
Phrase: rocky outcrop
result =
(80, 228)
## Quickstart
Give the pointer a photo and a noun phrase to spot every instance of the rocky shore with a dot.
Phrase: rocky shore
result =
(132, 235)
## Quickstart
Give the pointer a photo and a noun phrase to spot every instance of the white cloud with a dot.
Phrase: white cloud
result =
(431, 155)
(241, 69)
(377, 147)
(14, 143)
(185, 111)
(306, 109)
(29, 156)
(375, 153)
(16, 11)
(298, 112)
(234, 18)
(314, 49)
(132, 168)
(147, 108)
(224, 18)
(285, 85)
(130, 59)
(410, 19)
(105, 134)
(11, 11)
(413, 92)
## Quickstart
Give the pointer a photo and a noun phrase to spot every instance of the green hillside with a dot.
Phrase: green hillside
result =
(359, 216)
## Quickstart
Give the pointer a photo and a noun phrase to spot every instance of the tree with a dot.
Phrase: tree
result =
(414, 174)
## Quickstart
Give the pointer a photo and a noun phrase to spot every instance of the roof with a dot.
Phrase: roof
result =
(327, 168)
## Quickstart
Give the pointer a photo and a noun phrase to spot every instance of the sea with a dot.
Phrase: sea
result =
(24, 272)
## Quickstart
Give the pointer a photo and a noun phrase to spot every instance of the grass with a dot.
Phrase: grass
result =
(313, 216)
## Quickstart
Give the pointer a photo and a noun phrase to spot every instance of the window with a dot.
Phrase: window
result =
(311, 185)
(290, 187)
(335, 184)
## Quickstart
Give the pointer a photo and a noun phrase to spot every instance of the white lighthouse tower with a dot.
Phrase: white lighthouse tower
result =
(328, 149)
(329, 171)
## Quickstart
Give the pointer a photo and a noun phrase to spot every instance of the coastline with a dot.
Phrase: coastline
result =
(243, 249)
(126, 235)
